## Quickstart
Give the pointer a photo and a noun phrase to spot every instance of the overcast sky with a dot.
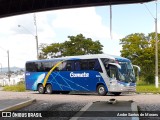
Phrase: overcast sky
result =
(55, 26)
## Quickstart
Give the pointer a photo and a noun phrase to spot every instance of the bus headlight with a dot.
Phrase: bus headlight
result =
(113, 83)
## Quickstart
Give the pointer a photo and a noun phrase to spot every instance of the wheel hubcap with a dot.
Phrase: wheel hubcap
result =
(41, 89)
(101, 90)
(48, 90)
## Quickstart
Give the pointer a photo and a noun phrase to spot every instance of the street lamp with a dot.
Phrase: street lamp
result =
(156, 45)
(35, 36)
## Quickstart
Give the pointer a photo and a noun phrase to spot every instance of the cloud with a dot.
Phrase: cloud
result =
(89, 23)
(83, 20)
(52, 26)
(20, 41)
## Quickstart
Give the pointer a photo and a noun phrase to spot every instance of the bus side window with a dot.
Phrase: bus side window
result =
(91, 64)
(97, 66)
(40, 67)
(84, 65)
(59, 67)
(69, 66)
(31, 67)
(77, 65)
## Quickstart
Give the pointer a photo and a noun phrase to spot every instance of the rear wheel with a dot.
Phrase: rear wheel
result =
(116, 93)
(41, 89)
(49, 89)
(101, 90)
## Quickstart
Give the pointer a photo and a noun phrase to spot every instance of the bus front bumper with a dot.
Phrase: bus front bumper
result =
(120, 88)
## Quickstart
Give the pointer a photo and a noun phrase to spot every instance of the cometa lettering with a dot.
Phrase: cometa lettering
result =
(79, 74)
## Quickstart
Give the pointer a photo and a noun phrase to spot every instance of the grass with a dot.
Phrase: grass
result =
(143, 87)
(15, 88)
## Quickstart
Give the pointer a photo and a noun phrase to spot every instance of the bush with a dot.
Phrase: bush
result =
(16, 88)
(21, 83)
(141, 83)
(149, 79)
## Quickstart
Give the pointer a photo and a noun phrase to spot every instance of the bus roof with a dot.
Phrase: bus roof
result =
(84, 57)
(121, 59)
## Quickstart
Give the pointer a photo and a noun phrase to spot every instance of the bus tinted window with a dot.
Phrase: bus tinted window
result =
(84, 65)
(71, 65)
(97, 66)
(39, 66)
(77, 65)
(67, 66)
(91, 64)
(31, 67)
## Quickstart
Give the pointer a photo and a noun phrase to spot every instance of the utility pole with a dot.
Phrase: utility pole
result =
(1, 67)
(111, 21)
(156, 51)
(36, 36)
(156, 45)
(8, 67)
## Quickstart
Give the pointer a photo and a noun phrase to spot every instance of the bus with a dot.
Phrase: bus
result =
(99, 73)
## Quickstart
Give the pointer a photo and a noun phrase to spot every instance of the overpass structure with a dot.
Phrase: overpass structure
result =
(16, 7)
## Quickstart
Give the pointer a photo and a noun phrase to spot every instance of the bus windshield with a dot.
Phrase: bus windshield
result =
(126, 73)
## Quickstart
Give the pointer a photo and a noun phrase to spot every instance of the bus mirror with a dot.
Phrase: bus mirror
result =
(138, 69)
(115, 64)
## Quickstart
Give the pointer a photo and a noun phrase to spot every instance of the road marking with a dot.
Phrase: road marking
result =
(134, 108)
(77, 115)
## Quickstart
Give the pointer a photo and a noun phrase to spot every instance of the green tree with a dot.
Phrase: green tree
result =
(52, 50)
(140, 49)
(76, 45)
(79, 45)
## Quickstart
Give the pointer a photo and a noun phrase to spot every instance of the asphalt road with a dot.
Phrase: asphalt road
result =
(74, 102)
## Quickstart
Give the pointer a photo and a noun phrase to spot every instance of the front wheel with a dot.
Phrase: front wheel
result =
(101, 90)
(41, 89)
(49, 89)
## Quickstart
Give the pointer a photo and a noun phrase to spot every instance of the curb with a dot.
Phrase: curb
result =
(18, 106)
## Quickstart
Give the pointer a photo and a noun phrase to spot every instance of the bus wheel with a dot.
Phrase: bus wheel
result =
(101, 90)
(49, 89)
(116, 93)
(65, 92)
(41, 89)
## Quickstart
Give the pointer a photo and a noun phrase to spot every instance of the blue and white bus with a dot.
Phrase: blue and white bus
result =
(99, 73)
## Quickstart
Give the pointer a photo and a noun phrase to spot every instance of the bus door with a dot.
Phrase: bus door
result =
(112, 72)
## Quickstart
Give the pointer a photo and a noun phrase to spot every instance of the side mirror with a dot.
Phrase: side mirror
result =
(115, 64)
(138, 68)
(138, 71)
